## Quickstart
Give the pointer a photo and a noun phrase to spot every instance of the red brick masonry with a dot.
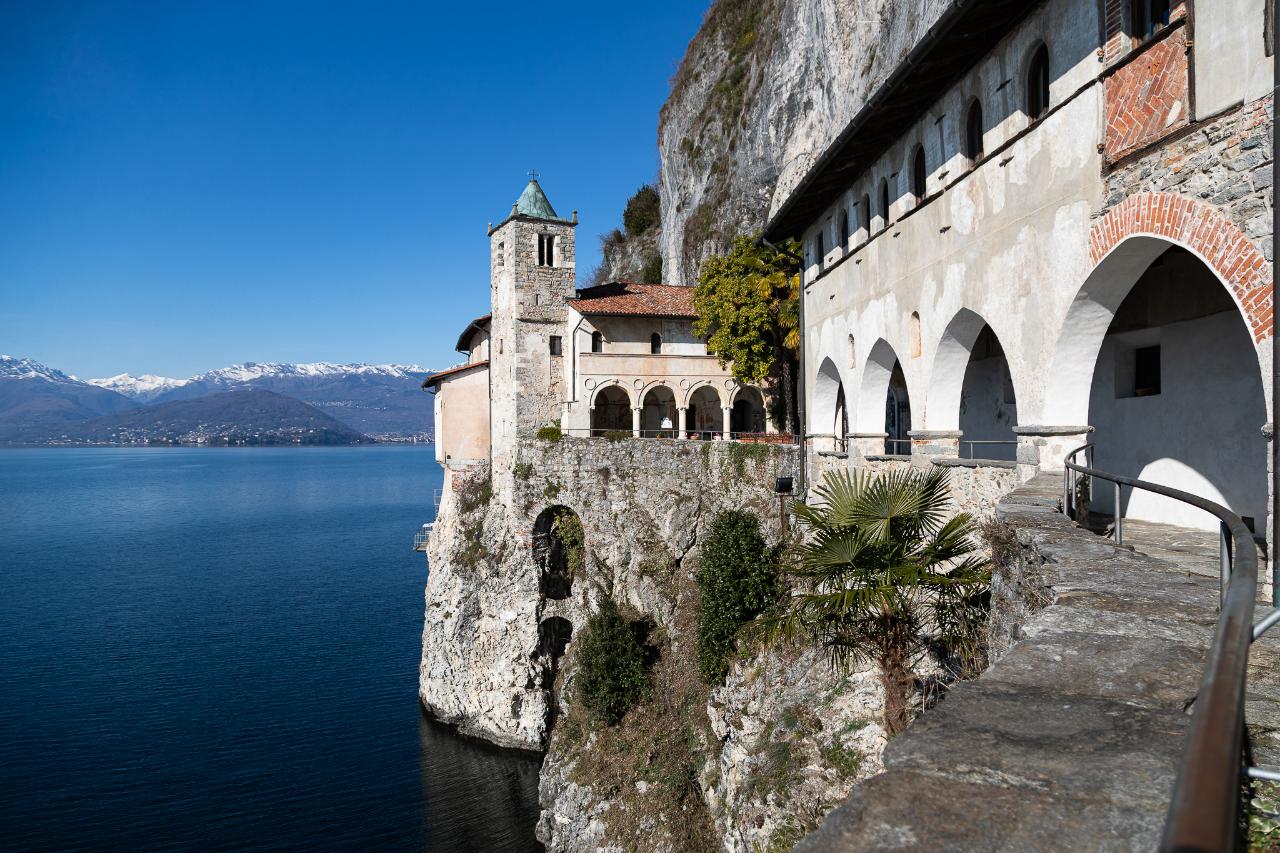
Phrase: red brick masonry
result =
(1147, 98)
(1196, 225)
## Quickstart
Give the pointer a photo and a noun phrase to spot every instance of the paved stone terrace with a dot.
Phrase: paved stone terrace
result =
(1072, 739)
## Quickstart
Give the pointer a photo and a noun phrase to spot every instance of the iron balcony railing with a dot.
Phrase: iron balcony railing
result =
(1204, 811)
(423, 536)
(688, 435)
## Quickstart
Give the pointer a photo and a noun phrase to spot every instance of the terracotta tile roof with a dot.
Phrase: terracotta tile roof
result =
(434, 379)
(476, 325)
(628, 299)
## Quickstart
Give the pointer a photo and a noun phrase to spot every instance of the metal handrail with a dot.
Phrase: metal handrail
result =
(1204, 810)
(973, 441)
(683, 435)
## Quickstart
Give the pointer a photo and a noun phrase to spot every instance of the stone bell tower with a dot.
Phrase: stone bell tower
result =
(531, 263)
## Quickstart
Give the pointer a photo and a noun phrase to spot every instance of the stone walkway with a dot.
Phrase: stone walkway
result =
(1072, 738)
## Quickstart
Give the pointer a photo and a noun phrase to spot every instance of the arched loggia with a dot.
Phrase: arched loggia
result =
(884, 403)
(1157, 357)
(828, 396)
(971, 389)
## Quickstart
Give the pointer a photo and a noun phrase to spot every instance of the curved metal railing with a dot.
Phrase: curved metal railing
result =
(1204, 811)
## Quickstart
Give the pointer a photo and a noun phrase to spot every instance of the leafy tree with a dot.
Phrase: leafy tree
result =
(748, 305)
(885, 576)
(612, 676)
(643, 211)
(738, 580)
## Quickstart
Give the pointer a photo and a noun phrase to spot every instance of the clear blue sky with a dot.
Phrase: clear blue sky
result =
(188, 185)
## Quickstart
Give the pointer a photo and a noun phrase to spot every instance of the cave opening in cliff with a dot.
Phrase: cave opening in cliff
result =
(559, 550)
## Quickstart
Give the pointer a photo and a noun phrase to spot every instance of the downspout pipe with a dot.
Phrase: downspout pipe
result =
(1275, 350)
(801, 430)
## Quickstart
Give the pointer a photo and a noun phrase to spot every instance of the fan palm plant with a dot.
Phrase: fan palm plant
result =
(886, 576)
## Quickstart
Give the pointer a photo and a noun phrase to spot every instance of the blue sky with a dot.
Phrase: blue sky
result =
(188, 185)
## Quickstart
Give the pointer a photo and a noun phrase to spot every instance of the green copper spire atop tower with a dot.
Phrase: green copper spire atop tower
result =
(533, 202)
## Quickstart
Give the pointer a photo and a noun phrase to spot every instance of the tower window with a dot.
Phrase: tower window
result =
(557, 347)
(844, 230)
(546, 250)
(919, 175)
(597, 342)
(864, 213)
(884, 203)
(820, 250)
(1038, 83)
(1149, 17)
(502, 255)
(655, 343)
(973, 132)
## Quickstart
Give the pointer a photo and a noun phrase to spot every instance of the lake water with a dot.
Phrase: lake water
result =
(218, 650)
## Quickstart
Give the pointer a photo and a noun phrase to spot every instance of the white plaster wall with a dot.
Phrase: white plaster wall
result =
(462, 418)
(631, 335)
(1202, 433)
(1231, 65)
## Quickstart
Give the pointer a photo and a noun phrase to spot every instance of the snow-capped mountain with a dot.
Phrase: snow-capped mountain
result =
(37, 401)
(145, 387)
(375, 399)
(252, 371)
(29, 368)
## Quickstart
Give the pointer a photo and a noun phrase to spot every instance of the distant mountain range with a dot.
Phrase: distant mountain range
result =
(40, 405)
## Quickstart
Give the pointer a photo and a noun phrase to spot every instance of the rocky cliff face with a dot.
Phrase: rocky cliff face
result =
(754, 762)
(763, 87)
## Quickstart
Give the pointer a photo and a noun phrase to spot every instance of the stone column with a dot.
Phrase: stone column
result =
(635, 422)
(867, 443)
(728, 413)
(1043, 447)
(936, 442)
(682, 415)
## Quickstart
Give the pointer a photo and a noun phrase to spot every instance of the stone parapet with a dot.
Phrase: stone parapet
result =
(1076, 729)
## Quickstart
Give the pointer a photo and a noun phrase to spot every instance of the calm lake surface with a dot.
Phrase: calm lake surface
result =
(217, 649)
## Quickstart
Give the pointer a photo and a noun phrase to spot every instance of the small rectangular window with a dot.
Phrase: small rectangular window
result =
(1146, 371)
(555, 345)
(502, 255)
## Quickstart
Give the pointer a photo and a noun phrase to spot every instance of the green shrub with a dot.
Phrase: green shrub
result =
(523, 470)
(567, 529)
(643, 211)
(651, 272)
(616, 434)
(738, 580)
(551, 433)
(612, 676)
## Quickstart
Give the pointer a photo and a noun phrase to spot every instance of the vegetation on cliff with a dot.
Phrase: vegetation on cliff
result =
(885, 575)
(612, 675)
(631, 253)
(748, 305)
(738, 580)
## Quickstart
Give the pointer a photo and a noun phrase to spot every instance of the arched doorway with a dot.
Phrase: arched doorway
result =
(988, 404)
(971, 389)
(1176, 396)
(559, 549)
(828, 395)
(747, 416)
(658, 416)
(611, 411)
(884, 404)
(704, 419)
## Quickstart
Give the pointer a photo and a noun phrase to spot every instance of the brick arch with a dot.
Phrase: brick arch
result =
(1200, 228)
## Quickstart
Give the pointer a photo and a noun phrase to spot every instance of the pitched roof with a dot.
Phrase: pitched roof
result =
(534, 202)
(628, 299)
(434, 379)
(957, 40)
(476, 325)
